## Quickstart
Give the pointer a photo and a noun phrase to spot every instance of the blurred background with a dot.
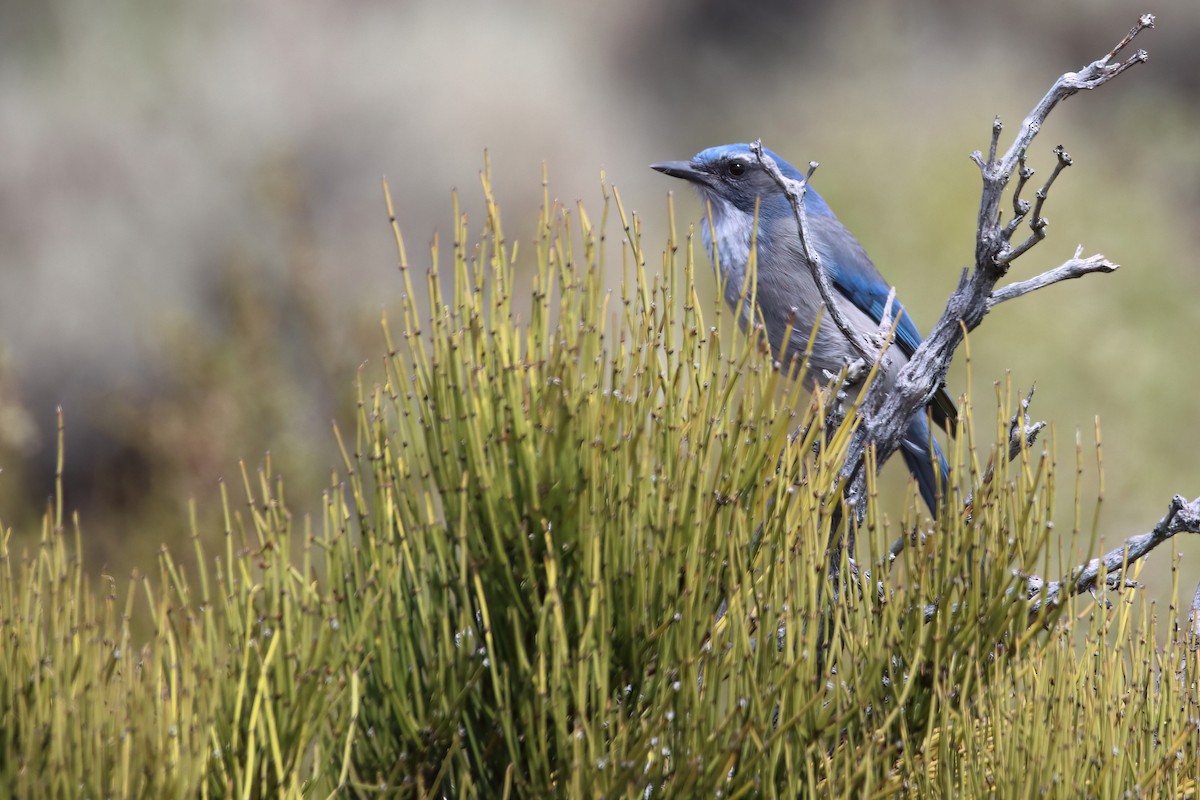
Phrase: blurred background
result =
(194, 252)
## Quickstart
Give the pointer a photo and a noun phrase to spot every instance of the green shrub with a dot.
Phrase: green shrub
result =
(579, 548)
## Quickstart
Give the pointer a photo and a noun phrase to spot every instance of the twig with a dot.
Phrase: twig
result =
(1020, 204)
(1194, 619)
(1094, 75)
(795, 192)
(1038, 223)
(1076, 267)
(887, 325)
(1022, 434)
(1181, 517)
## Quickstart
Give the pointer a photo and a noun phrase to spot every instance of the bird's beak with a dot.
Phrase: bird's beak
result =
(681, 169)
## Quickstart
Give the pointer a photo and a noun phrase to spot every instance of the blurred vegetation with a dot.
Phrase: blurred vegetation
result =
(175, 170)
(263, 369)
(574, 549)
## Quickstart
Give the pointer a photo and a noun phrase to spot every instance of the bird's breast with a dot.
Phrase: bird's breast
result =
(786, 296)
(731, 230)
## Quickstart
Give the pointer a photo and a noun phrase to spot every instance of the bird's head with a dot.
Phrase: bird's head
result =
(731, 177)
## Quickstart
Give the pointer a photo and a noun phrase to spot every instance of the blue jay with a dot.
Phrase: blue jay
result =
(730, 178)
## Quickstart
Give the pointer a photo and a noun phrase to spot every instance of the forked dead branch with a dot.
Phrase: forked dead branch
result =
(886, 410)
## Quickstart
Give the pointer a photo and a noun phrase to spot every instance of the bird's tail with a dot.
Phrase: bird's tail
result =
(920, 460)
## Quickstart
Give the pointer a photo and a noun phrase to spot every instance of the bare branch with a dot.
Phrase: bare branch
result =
(1094, 75)
(795, 191)
(1022, 432)
(1038, 223)
(1064, 161)
(886, 410)
(1074, 268)
(1194, 619)
(997, 128)
(1145, 21)
(887, 322)
(1020, 204)
(1181, 517)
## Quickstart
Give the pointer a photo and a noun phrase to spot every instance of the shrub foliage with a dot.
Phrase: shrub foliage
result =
(579, 547)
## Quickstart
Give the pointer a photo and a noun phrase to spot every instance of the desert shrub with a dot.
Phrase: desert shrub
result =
(580, 546)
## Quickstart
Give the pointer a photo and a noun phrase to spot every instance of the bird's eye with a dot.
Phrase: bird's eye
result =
(737, 167)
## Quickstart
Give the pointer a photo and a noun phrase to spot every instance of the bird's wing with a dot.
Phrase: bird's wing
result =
(857, 279)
